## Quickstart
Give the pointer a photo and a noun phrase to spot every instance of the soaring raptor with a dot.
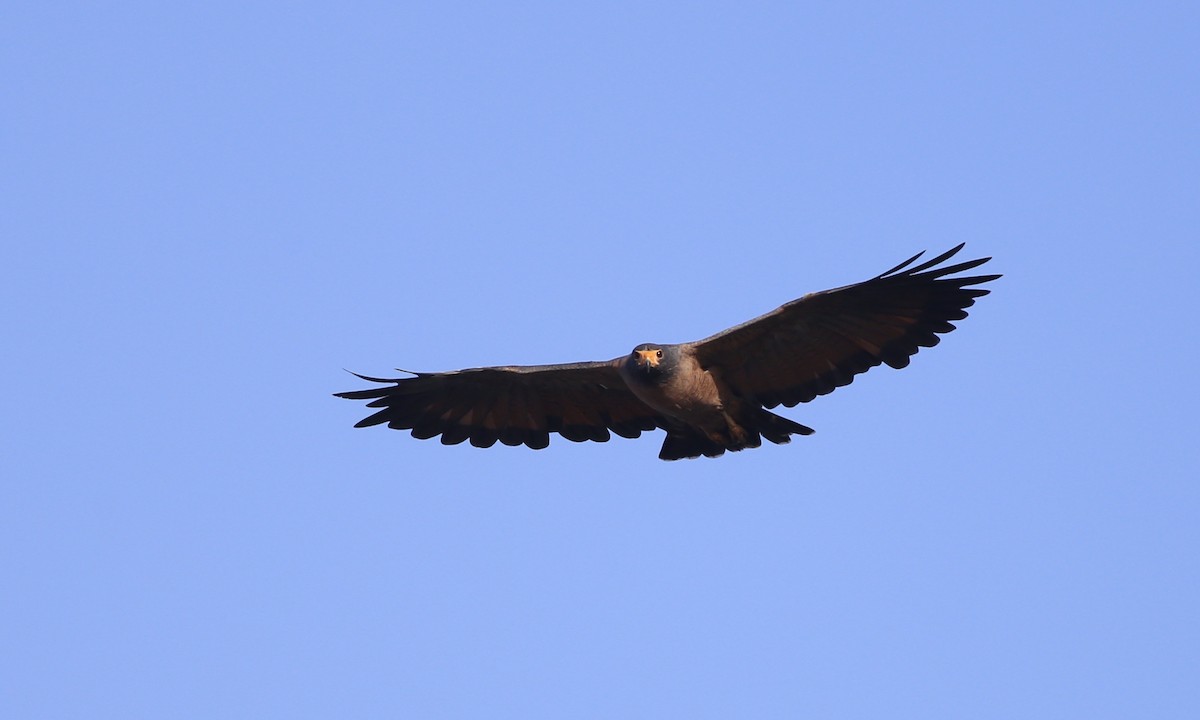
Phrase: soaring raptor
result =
(709, 396)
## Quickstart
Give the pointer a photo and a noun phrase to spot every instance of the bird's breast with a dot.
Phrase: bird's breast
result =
(687, 392)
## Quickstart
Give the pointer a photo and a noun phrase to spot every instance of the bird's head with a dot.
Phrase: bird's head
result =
(649, 359)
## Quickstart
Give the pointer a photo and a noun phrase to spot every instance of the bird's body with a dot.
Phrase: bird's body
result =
(675, 385)
(700, 416)
(709, 396)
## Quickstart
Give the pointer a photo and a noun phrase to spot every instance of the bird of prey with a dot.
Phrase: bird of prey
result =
(709, 396)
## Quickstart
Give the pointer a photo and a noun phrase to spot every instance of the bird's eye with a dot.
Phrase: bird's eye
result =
(658, 353)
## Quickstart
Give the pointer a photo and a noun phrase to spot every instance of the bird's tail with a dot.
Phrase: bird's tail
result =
(777, 428)
(687, 443)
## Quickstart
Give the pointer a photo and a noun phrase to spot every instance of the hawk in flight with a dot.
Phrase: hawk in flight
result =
(709, 396)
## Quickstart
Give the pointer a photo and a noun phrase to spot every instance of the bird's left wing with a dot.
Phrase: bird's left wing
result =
(820, 342)
(513, 405)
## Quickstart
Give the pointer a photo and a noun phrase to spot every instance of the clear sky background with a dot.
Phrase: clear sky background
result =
(210, 209)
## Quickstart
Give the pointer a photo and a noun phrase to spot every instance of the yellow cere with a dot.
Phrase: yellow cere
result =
(649, 356)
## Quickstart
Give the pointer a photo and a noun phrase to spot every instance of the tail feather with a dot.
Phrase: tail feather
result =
(779, 429)
(687, 443)
(681, 444)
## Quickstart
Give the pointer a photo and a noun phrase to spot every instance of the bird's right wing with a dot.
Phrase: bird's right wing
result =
(514, 405)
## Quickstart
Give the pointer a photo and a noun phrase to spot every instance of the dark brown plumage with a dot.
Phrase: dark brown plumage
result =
(709, 396)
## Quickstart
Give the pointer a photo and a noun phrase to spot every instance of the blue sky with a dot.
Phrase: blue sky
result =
(209, 210)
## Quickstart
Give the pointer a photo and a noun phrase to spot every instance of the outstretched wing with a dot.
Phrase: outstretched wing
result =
(514, 405)
(820, 342)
